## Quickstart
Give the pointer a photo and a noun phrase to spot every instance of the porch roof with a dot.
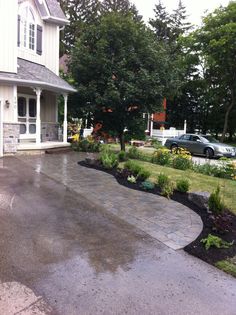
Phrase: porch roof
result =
(33, 74)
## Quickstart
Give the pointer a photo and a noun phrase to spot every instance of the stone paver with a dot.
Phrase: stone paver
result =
(18, 299)
(169, 222)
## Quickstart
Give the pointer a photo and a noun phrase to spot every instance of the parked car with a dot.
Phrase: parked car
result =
(201, 145)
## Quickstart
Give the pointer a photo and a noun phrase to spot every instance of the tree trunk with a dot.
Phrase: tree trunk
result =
(227, 117)
(122, 141)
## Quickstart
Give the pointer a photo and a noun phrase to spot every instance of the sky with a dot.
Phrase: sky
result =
(195, 8)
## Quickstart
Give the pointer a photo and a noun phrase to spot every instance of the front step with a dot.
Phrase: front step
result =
(58, 150)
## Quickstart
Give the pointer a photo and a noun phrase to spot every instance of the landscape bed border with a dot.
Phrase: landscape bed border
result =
(196, 248)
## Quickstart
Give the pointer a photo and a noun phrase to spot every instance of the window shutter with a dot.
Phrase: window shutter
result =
(39, 47)
(18, 31)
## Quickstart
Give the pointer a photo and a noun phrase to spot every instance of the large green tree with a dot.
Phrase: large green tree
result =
(121, 71)
(120, 6)
(161, 23)
(80, 13)
(216, 42)
(169, 28)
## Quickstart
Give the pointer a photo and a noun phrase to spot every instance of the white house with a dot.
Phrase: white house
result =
(29, 75)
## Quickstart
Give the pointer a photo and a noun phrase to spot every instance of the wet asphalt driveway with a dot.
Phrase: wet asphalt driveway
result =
(80, 259)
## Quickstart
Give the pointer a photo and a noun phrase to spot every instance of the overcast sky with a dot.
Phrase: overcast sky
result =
(195, 8)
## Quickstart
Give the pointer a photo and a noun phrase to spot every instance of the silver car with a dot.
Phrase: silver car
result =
(201, 145)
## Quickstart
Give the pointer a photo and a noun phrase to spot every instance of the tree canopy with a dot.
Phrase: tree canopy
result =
(121, 70)
(215, 41)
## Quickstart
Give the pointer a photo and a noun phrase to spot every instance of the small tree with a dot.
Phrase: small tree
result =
(121, 70)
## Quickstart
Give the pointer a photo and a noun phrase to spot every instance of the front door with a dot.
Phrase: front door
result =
(27, 116)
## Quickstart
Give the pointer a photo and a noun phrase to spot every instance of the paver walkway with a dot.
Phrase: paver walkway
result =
(169, 222)
(62, 255)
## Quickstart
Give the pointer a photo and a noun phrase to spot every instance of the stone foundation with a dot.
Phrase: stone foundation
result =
(11, 133)
(49, 131)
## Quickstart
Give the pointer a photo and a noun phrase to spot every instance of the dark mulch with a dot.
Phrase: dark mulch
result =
(196, 248)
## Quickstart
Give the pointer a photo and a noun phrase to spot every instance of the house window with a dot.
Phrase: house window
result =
(27, 28)
(21, 107)
(31, 36)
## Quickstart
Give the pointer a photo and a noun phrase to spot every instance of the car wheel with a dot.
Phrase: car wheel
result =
(173, 148)
(209, 153)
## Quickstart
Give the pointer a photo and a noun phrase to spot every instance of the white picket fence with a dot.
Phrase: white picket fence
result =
(163, 134)
(88, 132)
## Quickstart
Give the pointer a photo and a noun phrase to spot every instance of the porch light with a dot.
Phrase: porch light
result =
(7, 104)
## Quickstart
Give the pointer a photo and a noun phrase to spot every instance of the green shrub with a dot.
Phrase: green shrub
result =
(182, 163)
(166, 185)
(109, 160)
(133, 167)
(86, 145)
(143, 174)
(131, 179)
(215, 241)
(162, 157)
(133, 153)
(215, 202)
(147, 185)
(183, 185)
(122, 156)
(211, 170)
(105, 148)
(137, 170)
(162, 180)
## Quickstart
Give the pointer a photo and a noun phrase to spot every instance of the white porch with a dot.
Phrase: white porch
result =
(35, 116)
(24, 147)
(163, 134)
(28, 109)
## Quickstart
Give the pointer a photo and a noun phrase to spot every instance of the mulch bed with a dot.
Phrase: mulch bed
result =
(196, 248)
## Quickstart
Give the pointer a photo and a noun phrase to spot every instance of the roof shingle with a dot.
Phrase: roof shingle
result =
(29, 73)
(55, 9)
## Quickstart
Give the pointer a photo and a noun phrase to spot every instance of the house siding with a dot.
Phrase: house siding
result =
(28, 54)
(8, 36)
(48, 107)
(7, 93)
(51, 47)
(50, 44)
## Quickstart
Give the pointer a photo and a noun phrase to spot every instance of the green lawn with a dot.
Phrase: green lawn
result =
(228, 266)
(198, 182)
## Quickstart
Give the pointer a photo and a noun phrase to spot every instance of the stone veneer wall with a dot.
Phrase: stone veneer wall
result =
(49, 131)
(11, 134)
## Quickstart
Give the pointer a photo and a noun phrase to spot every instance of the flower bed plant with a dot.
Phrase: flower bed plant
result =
(181, 159)
(86, 145)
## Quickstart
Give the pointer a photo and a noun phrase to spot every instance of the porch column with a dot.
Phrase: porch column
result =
(38, 92)
(151, 126)
(185, 126)
(65, 118)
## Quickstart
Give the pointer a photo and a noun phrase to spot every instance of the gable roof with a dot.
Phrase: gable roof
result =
(33, 74)
(51, 11)
(55, 9)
